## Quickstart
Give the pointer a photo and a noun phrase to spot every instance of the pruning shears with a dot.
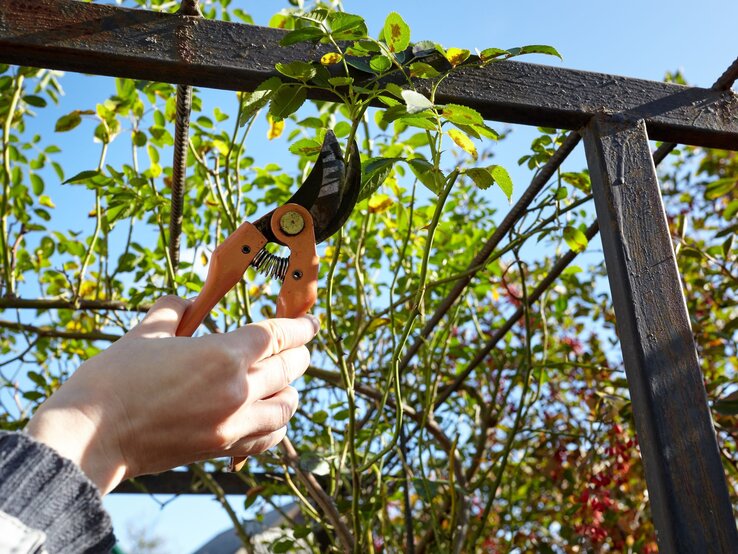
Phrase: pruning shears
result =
(316, 211)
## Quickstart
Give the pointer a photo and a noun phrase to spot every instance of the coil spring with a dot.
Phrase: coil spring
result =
(270, 264)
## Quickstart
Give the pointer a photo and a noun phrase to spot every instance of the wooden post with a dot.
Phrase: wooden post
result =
(686, 483)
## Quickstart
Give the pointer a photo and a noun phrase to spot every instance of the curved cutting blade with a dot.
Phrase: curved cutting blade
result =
(329, 192)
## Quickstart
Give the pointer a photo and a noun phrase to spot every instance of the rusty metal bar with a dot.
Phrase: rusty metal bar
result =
(686, 483)
(189, 8)
(108, 40)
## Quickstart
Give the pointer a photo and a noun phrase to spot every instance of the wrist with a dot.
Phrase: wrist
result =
(75, 436)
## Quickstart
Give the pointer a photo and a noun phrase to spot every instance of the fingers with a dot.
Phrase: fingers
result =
(250, 446)
(272, 336)
(162, 319)
(273, 374)
(270, 414)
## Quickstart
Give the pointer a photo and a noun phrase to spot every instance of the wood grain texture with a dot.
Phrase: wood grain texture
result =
(687, 488)
(107, 40)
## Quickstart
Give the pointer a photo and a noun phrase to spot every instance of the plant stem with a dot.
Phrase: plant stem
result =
(4, 237)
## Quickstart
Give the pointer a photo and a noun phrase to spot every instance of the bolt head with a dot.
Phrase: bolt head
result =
(291, 223)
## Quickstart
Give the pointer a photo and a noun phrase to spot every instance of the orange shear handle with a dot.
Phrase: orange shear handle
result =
(300, 288)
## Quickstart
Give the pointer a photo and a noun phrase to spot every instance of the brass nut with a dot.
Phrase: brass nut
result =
(291, 223)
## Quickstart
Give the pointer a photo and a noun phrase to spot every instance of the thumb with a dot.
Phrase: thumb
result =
(162, 319)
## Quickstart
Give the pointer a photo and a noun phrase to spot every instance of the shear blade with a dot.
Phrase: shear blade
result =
(329, 192)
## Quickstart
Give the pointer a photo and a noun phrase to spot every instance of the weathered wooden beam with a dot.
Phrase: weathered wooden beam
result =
(686, 484)
(186, 482)
(107, 40)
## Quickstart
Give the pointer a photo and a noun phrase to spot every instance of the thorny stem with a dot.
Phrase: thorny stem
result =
(4, 238)
(518, 412)
(348, 377)
(95, 233)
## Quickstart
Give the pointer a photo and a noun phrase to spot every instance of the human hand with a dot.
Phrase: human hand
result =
(153, 401)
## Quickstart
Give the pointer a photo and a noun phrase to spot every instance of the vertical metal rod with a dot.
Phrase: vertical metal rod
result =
(179, 169)
(686, 483)
(179, 164)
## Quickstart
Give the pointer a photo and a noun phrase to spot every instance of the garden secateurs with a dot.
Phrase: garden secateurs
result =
(316, 211)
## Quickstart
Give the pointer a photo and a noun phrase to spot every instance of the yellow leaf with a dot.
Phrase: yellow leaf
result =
(463, 141)
(331, 58)
(455, 56)
(377, 323)
(329, 252)
(203, 258)
(275, 128)
(379, 203)
(46, 201)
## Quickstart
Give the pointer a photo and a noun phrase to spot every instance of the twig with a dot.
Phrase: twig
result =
(58, 333)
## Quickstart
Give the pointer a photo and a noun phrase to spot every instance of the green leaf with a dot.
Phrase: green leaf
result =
(37, 184)
(375, 172)
(380, 64)
(301, 71)
(82, 176)
(68, 122)
(340, 81)
(396, 32)
(347, 26)
(415, 102)
(481, 177)
(502, 178)
(492, 53)
(306, 147)
(302, 35)
(575, 239)
(428, 175)
(36, 101)
(423, 70)
(286, 101)
(539, 49)
(139, 138)
(462, 115)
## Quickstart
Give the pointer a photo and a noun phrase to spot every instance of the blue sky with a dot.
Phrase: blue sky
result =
(634, 38)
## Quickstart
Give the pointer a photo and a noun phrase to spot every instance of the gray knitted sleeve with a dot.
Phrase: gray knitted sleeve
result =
(51, 494)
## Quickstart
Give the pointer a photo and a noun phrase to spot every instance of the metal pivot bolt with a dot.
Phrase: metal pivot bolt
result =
(291, 223)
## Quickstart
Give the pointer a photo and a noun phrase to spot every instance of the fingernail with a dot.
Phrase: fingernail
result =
(315, 321)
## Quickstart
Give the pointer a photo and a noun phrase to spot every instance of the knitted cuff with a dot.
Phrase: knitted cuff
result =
(50, 493)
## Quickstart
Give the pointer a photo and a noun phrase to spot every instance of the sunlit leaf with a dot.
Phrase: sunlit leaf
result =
(396, 32)
(456, 56)
(331, 58)
(463, 141)
(275, 128)
(462, 115)
(46, 201)
(347, 26)
(423, 70)
(379, 203)
(540, 49)
(306, 147)
(575, 239)
(493, 53)
(502, 178)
